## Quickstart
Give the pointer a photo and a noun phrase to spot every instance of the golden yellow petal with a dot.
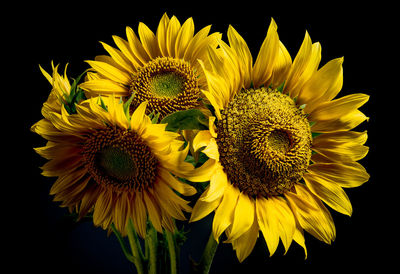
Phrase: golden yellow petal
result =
(110, 72)
(184, 37)
(243, 217)
(202, 209)
(136, 51)
(173, 182)
(347, 175)
(243, 53)
(324, 85)
(346, 122)
(203, 173)
(304, 66)
(339, 146)
(245, 243)
(331, 193)
(337, 108)
(266, 57)
(161, 34)
(267, 223)
(119, 58)
(201, 139)
(281, 68)
(311, 214)
(172, 32)
(212, 150)
(149, 41)
(218, 183)
(104, 86)
(153, 210)
(224, 214)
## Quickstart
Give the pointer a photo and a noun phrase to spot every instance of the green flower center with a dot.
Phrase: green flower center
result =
(120, 158)
(117, 163)
(264, 141)
(167, 84)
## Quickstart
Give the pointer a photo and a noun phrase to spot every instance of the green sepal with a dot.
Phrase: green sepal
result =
(280, 88)
(102, 104)
(315, 134)
(127, 104)
(186, 119)
(75, 96)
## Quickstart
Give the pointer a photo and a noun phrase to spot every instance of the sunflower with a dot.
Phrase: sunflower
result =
(61, 87)
(282, 147)
(115, 165)
(160, 68)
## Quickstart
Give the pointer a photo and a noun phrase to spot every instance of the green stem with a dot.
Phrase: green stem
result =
(152, 241)
(121, 242)
(208, 255)
(172, 250)
(135, 247)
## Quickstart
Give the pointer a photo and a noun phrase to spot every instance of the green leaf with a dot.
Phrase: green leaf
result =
(186, 119)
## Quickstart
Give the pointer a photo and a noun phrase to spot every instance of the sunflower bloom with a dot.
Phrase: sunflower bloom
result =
(282, 148)
(160, 68)
(116, 165)
(60, 88)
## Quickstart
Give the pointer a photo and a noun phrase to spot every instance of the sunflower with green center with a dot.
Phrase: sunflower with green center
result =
(160, 68)
(116, 165)
(281, 145)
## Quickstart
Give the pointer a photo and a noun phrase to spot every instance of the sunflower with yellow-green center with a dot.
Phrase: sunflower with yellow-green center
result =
(116, 165)
(160, 68)
(281, 146)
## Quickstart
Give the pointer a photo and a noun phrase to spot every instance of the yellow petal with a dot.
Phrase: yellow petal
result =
(172, 32)
(202, 209)
(110, 72)
(335, 109)
(212, 150)
(304, 66)
(202, 139)
(344, 174)
(126, 50)
(225, 212)
(331, 193)
(243, 216)
(182, 188)
(149, 41)
(104, 86)
(218, 183)
(119, 58)
(153, 211)
(203, 173)
(347, 121)
(281, 68)
(286, 222)
(245, 243)
(266, 57)
(324, 85)
(139, 54)
(344, 146)
(138, 213)
(137, 118)
(161, 34)
(311, 214)
(243, 53)
(267, 223)
(184, 37)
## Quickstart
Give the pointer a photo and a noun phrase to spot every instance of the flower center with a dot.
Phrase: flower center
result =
(167, 84)
(119, 158)
(264, 141)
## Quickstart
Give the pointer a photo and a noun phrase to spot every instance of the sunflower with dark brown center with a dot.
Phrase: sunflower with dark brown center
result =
(118, 165)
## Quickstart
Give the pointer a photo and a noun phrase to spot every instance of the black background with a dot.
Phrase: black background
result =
(37, 234)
